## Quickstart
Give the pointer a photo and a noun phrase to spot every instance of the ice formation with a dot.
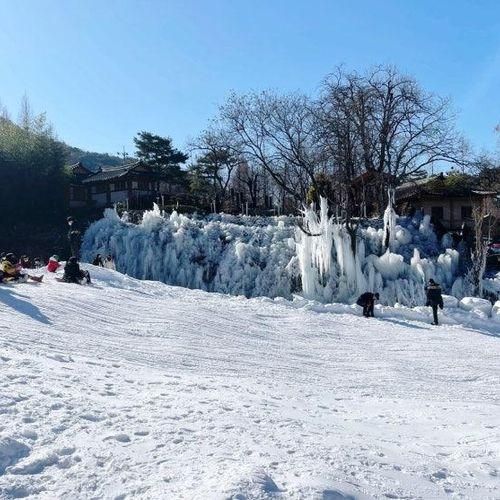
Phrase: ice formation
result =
(278, 257)
(395, 260)
(224, 254)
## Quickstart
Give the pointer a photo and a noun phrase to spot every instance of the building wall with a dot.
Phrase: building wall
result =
(100, 199)
(452, 210)
(117, 196)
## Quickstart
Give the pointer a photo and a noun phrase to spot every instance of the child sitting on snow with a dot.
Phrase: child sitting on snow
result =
(11, 270)
(53, 264)
(73, 273)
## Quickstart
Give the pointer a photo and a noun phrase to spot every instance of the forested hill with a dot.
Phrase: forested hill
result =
(91, 160)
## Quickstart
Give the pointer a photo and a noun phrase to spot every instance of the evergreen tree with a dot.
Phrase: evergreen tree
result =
(159, 153)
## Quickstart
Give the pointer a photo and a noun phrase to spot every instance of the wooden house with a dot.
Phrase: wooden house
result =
(132, 184)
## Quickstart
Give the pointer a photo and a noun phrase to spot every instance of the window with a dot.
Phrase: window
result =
(99, 188)
(437, 213)
(466, 212)
(120, 186)
(144, 185)
(134, 184)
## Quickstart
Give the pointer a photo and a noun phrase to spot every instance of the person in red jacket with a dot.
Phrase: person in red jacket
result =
(53, 264)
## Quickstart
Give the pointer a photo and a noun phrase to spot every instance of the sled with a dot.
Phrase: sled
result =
(83, 282)
(13, 281)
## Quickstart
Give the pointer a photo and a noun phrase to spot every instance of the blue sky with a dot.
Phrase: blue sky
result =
(103, 70)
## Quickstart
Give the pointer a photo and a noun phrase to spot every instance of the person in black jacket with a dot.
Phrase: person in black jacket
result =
(434, 298)
(367, 302)
(98, 261)
(74, 237)
(73, 273)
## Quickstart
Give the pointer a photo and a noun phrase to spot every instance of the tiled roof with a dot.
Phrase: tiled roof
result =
(437, 187)
(112, 173)
(79, 166)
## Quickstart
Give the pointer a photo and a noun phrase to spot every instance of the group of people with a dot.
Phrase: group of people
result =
(434, 300)
(13, 269)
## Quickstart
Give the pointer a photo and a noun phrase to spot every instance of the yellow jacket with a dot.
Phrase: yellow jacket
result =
(8, 268)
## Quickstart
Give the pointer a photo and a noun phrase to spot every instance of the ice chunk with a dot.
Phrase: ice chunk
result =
(481, 307)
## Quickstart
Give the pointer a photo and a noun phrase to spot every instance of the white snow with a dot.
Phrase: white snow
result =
(136, 389)
(475, 305)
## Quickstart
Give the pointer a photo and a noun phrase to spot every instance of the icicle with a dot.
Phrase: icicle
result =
(390, 220)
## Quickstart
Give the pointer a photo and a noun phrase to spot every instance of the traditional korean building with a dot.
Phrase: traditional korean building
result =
(135, 184)
(448, 203)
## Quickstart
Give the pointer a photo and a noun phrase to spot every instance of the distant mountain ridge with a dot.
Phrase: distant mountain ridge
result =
(91, 160)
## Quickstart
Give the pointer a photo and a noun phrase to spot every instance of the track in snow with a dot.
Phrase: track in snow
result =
(132, 389)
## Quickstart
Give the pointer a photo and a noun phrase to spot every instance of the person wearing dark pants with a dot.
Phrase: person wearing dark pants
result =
(367, 302)
(434, 299)
(74, 238)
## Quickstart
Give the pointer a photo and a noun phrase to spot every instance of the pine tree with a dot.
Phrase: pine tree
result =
(159, 153)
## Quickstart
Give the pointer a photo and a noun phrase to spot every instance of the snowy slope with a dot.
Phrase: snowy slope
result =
(130, 389)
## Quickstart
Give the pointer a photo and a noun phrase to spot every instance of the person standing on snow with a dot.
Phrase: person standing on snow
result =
(434, 299)
(74, 237)
(367, 302)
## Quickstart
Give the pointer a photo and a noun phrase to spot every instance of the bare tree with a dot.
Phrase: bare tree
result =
(483, 216)
(276, 133)
(219, 157)
(380, 122)
(399, 129)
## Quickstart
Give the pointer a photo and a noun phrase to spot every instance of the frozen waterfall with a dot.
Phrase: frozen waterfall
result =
(275, 256)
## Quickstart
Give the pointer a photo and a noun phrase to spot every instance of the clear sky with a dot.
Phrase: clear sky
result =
(103, 70)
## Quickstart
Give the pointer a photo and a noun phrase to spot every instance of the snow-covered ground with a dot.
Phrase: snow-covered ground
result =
(136, 389)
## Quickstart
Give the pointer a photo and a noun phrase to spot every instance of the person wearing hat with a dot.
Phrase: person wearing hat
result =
(74, 237)
(12, 270)
(434, 299)
(367, 302)
(53, 264)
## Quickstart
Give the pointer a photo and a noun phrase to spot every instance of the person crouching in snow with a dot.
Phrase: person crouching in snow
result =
(73, 273)
(12, 270)
(367, 302)
(434, 299)
(53, 264)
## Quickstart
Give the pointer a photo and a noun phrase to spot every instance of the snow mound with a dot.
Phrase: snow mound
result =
(259, 486)
(11, 451)
(450, 301)
(477, 306)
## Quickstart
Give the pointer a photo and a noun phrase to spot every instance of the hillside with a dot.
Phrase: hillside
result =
(136, 389)
(91, 160)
